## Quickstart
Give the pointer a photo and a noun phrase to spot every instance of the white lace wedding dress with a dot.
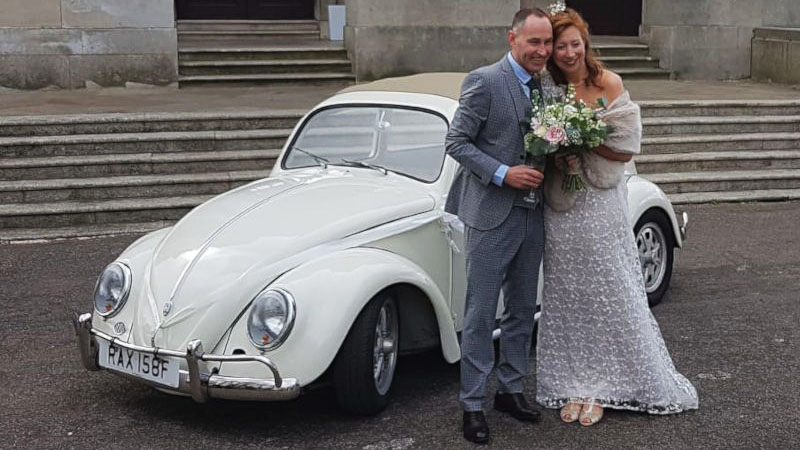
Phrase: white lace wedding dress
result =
(597, 337)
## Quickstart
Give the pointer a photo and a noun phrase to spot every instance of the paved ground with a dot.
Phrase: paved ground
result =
(730, 320)
(85, 101)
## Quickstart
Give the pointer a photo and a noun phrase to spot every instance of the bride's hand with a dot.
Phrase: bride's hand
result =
(572, 162)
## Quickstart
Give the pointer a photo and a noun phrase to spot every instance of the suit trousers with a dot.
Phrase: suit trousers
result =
(507, 258)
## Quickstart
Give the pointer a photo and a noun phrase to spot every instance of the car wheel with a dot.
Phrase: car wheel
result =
(364, 368)
(655, 242)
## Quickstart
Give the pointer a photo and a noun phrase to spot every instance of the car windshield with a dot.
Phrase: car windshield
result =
(402, 140)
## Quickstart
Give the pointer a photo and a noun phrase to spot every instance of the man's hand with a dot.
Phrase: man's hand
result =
(523, 177)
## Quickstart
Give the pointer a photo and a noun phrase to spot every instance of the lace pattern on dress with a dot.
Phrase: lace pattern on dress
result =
(597, 336)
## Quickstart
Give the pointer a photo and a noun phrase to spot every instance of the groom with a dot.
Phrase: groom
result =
(504, 233)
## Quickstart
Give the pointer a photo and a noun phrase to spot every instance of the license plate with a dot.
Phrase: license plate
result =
(159, 369)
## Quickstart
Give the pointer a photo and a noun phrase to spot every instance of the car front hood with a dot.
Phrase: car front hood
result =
(220, 255)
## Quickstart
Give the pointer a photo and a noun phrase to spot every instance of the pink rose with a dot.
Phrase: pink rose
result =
(556, 135)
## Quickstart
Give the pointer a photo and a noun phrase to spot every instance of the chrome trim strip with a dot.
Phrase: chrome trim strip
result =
(199, 385)
(210, 239)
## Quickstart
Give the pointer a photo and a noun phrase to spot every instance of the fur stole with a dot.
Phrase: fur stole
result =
(624, 117)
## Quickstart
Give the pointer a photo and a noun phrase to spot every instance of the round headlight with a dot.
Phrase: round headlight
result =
(271, 318)
(112, 289)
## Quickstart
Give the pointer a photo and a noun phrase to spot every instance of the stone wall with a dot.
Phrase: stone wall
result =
(391, 38)
(69, 43)
(776, 55)
(710, 39)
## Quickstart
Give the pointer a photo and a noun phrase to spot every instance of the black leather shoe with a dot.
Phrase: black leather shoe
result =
(475, 427)
(516, 405)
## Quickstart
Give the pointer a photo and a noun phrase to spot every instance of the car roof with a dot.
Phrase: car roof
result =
(444, 84)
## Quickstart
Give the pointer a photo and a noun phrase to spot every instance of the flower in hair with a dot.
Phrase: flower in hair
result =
(556, 8)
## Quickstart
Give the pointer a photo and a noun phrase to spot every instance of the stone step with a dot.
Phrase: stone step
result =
(135, 164)
(257, 36)
(717, 161)
(23, 235)
(272, 79)
(644, 73)
(720, 142)
(123, 187)
(734, 180)
(247, 25)
(628, 62)
(192, 68)
(685, 108)
(762, 195)
(660, 126)
(262, 53)
(160, 142)
(14, 217)
(62, 125)
(621, 49)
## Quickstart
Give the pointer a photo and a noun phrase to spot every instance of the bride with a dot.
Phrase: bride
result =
(598, 345)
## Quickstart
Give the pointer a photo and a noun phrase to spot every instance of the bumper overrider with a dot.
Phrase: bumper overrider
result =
(685, 217)
(201, 386)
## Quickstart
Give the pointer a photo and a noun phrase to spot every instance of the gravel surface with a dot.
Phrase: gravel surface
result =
(730, 321)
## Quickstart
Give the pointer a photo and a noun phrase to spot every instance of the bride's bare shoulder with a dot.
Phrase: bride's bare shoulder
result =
(612, 86)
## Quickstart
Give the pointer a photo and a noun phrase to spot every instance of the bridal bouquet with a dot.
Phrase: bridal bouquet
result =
(565, 127)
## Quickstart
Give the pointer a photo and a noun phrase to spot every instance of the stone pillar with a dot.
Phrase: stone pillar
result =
(776, 55)
(70, 43)
(710, 39)
(390, 38)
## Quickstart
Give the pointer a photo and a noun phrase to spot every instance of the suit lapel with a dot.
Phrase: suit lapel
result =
(521, 103)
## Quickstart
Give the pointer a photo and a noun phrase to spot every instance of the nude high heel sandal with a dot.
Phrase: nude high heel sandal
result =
(570, 411)
(591, 413)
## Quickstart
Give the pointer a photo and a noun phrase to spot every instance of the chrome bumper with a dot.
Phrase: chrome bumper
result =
(685, 217)
(201, 386)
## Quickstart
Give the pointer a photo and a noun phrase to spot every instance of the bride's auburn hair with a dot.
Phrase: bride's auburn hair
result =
(571, 18)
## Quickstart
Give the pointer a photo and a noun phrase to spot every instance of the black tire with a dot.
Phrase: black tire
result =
(357, 389)
(654, 227)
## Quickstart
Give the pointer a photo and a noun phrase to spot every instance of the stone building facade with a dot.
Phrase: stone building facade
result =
(74, 43)
(713, 39)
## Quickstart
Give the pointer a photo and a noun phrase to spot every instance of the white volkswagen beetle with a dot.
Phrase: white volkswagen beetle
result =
(340, 260)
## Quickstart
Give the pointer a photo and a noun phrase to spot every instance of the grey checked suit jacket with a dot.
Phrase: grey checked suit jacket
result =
(487, 131)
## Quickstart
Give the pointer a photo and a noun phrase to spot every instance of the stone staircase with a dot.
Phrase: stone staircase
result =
(628, 57)
(64, 176)
(722, 151)
(99, 174)
(247, 53)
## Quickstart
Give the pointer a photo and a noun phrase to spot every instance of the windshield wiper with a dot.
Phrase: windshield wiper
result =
(380, 169)
(318, 159)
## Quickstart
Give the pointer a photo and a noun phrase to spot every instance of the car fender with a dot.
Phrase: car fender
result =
(137, 257)
(644, 195)
(329, 294)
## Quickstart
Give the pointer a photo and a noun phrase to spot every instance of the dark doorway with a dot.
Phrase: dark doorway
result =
(618, 18)
(245, 9)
